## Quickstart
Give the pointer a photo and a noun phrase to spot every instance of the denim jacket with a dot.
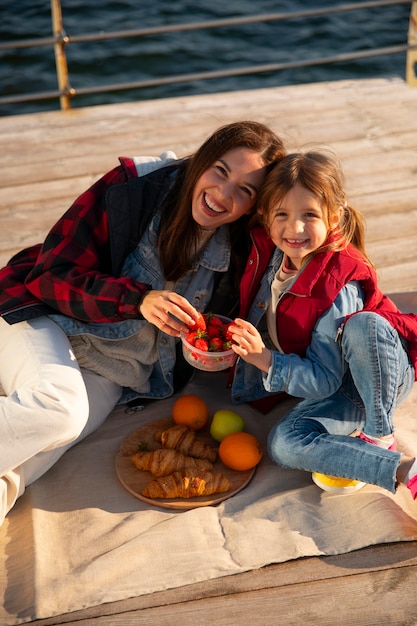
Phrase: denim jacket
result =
(317, 375)
(143, 266)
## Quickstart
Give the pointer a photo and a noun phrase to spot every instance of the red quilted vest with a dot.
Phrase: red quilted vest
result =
(314, 292)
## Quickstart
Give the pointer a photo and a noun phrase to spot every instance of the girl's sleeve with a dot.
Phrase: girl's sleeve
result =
(320, 373)
(73, 270)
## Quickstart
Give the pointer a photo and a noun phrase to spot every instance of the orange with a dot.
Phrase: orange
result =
(240, 451)
(190, 410)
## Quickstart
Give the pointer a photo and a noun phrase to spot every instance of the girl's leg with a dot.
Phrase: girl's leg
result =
(314, 437)
(380, 369)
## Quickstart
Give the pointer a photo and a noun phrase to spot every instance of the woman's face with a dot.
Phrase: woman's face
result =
(228, 189)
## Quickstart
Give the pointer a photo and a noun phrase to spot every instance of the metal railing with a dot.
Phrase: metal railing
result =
(411, 76)
(66, 92)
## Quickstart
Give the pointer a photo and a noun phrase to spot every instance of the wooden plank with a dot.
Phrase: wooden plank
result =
(373, 599)
(75, 138)
(398, 277)
(54, 163)
(395, 225)
(307, 97)
(397, 201)
(82, 133)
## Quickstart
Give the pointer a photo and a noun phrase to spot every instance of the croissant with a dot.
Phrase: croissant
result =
(187, 484)
(183, 439)
(164, 461)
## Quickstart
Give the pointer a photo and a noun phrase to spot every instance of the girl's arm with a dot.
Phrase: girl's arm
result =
(320, 373)
(249, 345)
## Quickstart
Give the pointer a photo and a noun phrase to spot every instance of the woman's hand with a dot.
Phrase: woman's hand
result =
(249, 345)
(168, 311)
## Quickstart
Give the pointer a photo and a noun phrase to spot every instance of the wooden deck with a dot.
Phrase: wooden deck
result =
(47, 159)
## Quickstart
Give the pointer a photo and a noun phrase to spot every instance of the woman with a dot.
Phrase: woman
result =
(92, 317)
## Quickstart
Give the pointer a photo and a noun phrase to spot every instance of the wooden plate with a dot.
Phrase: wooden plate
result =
(135, 480)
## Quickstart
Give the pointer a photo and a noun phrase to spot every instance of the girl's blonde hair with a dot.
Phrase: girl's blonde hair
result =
(321, 174)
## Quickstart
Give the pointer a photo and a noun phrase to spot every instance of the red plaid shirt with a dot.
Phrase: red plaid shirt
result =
(70, 272)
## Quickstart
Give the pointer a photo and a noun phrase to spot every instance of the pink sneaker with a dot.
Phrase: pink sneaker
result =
(393, 446)
(412, 486)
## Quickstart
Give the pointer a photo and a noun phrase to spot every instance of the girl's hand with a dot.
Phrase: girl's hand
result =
(168, 311)
(249, 345)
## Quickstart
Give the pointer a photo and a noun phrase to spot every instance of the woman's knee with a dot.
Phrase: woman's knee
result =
(64, 404)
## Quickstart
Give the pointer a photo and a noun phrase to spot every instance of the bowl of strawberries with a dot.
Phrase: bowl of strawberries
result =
(207, 344)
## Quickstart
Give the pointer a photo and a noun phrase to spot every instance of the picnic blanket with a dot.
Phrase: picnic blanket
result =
(78, 538)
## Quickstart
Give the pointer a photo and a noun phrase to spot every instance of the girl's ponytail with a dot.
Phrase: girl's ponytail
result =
(351, 229)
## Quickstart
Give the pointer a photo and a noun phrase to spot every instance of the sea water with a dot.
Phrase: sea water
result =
(141, 58)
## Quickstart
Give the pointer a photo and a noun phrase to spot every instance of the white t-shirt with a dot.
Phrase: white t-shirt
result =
(282, 280)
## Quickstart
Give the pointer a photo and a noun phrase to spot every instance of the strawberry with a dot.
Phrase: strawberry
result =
(213, 331)
(198, 323)
(214, 320)
(228, 334)
(191, 337)
(202, 344)
(216, 344)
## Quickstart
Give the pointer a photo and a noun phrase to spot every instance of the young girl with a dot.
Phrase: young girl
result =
(320, 329)
(92, 316)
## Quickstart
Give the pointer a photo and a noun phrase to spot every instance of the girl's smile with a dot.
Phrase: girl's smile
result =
(297, 225)
(296, 243)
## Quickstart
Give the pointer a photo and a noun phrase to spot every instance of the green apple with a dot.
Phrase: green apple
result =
(225, 423)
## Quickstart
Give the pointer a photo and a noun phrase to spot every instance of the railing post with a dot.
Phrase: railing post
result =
(60, 58)
(412, 41)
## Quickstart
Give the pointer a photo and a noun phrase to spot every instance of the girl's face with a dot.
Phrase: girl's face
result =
(297, 226)
(228, 189)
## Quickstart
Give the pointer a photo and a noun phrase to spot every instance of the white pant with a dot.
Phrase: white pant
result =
(49, 403)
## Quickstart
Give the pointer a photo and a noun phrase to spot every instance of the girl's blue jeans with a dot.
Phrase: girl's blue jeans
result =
(314, 436)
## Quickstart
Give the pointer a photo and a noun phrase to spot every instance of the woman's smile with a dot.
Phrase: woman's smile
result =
(228, 189)
(211, 204)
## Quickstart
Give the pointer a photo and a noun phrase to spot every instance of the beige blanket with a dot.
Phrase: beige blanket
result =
(78, 538)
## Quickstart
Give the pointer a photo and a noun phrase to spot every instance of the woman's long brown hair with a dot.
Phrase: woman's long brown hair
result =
(179, 233)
